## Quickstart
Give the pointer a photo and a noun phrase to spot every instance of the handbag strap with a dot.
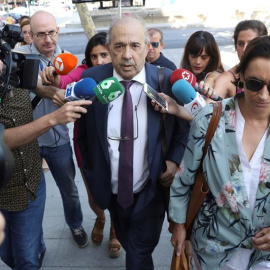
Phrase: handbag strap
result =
(200, 187)
(217, 109)
(212, 126)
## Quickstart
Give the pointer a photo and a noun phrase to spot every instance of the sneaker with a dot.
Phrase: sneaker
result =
(80, 237)
(40, 259)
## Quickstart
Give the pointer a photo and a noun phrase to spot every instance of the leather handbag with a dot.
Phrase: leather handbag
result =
(198, 194)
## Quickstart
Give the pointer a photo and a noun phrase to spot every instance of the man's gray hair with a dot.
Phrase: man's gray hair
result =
(126, 17)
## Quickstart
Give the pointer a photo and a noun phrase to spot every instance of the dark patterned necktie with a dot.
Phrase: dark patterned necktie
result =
(125, 173)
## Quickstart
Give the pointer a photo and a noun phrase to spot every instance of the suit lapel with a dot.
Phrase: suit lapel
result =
(101, 111)
(153, 117)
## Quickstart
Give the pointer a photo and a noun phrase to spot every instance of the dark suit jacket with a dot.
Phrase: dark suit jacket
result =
(93, 144)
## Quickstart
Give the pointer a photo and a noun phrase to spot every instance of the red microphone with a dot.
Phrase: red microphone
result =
(183, 74)
(64, 63)
(180, 74)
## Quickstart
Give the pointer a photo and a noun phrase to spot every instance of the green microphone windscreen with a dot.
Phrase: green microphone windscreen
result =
(108, 90)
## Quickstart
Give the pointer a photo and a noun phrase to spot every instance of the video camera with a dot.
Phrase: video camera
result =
(20, 70)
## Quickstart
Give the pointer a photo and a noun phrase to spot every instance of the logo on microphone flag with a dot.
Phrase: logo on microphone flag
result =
(108, 90)
(59, 65)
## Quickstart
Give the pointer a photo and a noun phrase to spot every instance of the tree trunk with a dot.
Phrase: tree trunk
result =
(86, 20)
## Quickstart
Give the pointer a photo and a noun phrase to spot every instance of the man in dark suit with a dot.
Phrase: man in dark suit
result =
(137, 224)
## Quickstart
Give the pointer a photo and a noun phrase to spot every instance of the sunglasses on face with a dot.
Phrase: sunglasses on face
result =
(255, 85)
(154, 44)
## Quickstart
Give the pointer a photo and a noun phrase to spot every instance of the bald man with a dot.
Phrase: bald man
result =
(55, 145)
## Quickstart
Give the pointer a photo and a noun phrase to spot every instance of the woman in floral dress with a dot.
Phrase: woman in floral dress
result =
(231, 230)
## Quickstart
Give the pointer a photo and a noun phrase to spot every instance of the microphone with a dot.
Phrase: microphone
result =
(64, 63)
(181, 73)
(83, 89)
(105, 92)
(193, 102)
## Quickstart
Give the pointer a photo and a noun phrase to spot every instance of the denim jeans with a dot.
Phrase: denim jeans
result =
(61, 164)
(20, 249)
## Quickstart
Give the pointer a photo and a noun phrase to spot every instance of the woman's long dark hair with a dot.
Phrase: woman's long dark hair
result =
(97, 39)
(196, 43)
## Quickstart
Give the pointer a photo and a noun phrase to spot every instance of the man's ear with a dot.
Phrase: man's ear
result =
(108, 48)
(58, 29)
(147, 47)
(162, 45)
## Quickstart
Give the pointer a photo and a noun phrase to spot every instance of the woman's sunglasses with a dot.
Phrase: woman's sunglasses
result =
(255, 85)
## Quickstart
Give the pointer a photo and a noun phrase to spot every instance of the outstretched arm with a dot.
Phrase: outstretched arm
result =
(173, 108)
(22, 135)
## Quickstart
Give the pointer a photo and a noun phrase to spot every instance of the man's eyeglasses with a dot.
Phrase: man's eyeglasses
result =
(154, 44)
(42, 35)
(255, 85)
(114, 138)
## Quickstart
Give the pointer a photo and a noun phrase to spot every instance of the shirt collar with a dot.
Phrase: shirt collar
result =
(34, 50)
(140, 77)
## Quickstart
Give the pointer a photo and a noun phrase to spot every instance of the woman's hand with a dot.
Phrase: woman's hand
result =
(173, 108)
(178, 238)
(207, 90)
(261, 240)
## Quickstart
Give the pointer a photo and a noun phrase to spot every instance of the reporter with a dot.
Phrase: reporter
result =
(202, 56)
(229, 83)
(54, 144)
(22, 199)
(27, 38)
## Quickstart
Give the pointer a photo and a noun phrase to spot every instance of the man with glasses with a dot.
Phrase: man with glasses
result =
(121, 145)
(55, 145)
(154, 55)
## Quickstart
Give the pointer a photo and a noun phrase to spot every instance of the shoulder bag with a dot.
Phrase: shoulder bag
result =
(198, 194)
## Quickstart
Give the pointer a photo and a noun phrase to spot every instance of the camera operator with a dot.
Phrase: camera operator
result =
(22, 199)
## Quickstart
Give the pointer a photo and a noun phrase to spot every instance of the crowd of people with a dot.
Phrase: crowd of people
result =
(131, 150)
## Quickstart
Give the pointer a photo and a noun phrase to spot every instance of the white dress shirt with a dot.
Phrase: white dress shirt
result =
(251, 172)
(140, 154)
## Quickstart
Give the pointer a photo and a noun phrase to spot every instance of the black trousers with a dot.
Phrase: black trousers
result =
(138, 228)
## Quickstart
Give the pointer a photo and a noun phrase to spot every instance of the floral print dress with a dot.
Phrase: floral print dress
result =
(224, 223)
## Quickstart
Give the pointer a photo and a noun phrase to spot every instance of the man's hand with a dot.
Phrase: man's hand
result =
(2, 228)
(69, 112)
(49, 76)
(167, 176)
(261, 240)
(1, 66)
(178, 238)
(59, 98)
